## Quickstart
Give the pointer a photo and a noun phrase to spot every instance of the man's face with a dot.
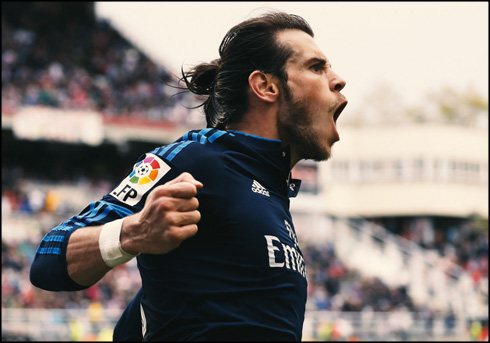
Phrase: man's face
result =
(307, 118)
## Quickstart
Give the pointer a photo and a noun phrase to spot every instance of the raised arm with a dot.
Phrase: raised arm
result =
(169, 216)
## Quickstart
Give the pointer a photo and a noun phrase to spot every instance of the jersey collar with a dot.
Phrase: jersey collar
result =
(278, 156)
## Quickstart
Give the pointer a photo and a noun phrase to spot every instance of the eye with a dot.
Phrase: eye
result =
(320, 66)
(317, 67)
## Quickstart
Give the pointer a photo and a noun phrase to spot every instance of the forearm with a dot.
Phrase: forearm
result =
(84, 262)
(69, 260)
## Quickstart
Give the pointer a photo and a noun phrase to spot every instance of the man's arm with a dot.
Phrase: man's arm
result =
(169, 216)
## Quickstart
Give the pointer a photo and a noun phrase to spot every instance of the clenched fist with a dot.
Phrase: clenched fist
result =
(170, 216)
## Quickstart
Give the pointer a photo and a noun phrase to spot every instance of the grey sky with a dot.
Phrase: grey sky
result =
(414, 47)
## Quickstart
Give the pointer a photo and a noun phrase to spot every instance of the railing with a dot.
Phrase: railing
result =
(97, 325)
(382, 326)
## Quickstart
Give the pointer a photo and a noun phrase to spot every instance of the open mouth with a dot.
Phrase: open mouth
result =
(338, 111)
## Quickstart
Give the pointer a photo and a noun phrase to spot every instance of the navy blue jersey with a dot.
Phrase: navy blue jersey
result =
(128, 327)
(242, 276)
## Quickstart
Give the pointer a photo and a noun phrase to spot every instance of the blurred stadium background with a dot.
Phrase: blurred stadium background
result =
(394, 228)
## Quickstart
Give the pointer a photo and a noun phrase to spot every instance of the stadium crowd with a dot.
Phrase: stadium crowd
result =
(85, 65)
(332, 285)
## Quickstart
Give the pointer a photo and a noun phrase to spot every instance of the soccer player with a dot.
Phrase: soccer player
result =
(239, 274)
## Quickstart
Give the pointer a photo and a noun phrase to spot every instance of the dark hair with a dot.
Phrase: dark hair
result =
(248, 46)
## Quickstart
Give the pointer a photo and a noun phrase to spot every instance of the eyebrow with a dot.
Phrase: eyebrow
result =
(318, 60)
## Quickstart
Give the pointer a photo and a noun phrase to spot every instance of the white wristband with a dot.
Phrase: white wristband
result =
(110, 244)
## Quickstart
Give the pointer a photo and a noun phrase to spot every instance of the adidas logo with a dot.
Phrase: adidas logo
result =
(258, 188)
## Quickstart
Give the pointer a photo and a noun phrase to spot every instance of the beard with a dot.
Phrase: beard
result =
(295, 124)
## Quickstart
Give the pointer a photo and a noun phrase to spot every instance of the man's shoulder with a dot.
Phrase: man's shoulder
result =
(193, 146)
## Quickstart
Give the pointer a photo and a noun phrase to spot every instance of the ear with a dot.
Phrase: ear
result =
(264, 86)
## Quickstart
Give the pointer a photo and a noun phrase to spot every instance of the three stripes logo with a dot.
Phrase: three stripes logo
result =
(258, 188)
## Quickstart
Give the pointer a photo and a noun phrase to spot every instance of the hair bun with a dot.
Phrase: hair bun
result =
(202, 78)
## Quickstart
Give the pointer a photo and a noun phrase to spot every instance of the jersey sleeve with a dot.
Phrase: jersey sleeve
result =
(49, 268)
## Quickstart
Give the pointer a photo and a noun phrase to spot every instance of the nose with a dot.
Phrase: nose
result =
(337, 83)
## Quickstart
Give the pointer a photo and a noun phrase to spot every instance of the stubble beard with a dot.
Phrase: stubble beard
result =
(296, 125)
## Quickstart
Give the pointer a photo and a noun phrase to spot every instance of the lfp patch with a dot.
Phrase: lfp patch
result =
(144, 176)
